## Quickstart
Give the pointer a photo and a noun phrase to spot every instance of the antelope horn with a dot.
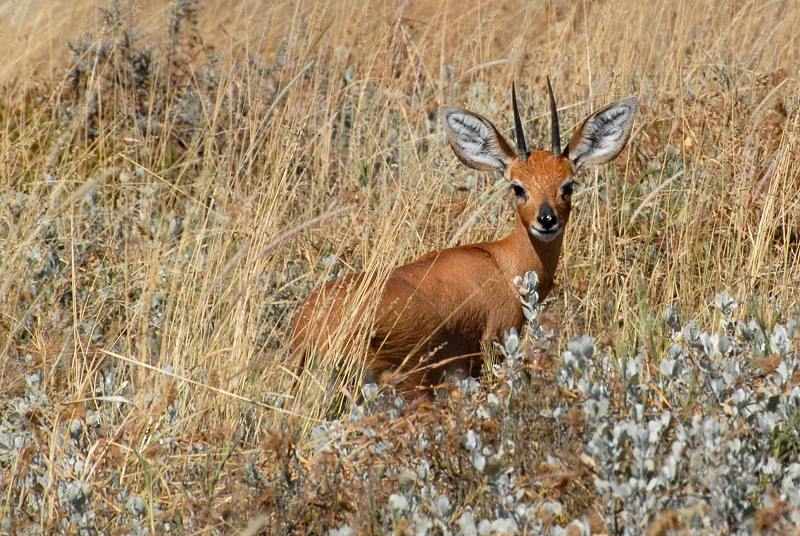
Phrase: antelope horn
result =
(555, 133)
(522, 149)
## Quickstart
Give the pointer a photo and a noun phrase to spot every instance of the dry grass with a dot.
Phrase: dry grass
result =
(160, 219)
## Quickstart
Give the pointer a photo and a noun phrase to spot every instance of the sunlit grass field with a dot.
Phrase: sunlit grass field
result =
(176, 178)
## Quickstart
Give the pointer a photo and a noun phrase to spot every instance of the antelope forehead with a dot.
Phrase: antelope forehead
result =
(545, 183)
(542, 171)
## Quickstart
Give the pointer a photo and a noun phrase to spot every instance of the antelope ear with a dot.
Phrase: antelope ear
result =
(475, 140)
(602, 135)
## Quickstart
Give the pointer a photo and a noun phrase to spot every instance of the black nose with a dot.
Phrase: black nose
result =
(546, 218)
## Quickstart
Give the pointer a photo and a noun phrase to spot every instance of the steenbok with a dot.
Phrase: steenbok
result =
(436, 313)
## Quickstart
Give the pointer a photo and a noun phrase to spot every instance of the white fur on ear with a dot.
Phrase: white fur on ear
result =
(603, 134)
(475, 140)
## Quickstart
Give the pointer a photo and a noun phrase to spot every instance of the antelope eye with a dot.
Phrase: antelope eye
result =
(520, 192)
(566, 190)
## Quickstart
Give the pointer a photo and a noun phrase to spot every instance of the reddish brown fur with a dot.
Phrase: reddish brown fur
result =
(445, 305)
(435, 314)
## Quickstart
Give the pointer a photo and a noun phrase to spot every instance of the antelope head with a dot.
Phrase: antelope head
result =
(542, 181)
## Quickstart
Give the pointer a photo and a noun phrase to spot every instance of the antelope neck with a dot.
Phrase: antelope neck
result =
(520, 252)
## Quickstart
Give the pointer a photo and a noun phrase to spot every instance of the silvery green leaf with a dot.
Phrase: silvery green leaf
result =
(754, 326)
(715, 344)
(711, 427)
(790, 485)
(531, 280)
(467, 524)
(669, 367)
(478, 461)
(533, 298)
(503, 526)
(641, 438)
(743, 330)
(729, 379)
(521, 510)
(33, 380)
(725, 303)
(595, 409)
(772, 467)
(650, 466)
(570, 360)
(357, 413)
(423, 469)
(783, 372)
(136, 505)
(509, 446)
(8, 443)
(344, 530)
(368, 390)
(672, 317)
(76, 494)
(739, 397)
(585, 387)
(602, 485)
(690, 332)
(675, 351)
(497, 369)
(471, 441)
(633, 368)
(705, 341)
(469, 386)
(666, 418)
(621, 431)
(654, 431)
(582, 346)
(512, 341)
(423, 524)
(669, 469)
(793, 327)
(443, 506)
(398, 503)
(622, 490)
(767, 421)
(723, 344)
(779, 340)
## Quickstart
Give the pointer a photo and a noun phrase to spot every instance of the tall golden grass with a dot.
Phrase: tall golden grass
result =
(182, 253)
